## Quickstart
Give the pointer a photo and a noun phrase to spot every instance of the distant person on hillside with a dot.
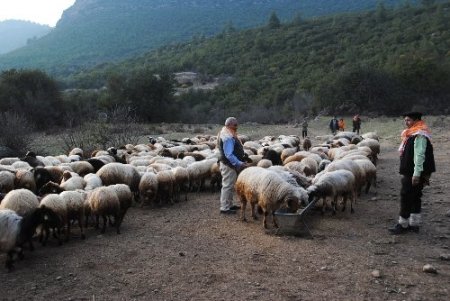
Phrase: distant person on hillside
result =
(232, 160)
(304, 125)
(416, 165)
(341, 125)
(356, 124)
(334, 125)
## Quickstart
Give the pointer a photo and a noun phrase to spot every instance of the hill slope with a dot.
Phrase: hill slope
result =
(96, 31)
(15, 34)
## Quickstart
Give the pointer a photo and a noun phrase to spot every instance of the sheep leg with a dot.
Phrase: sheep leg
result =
(9, 261)
(80, 224)
(253, 207)
(118, 222)
(97, 221)
(104, 223)
(274, 220)
(344, 202)
(265, 219)
(243, 207)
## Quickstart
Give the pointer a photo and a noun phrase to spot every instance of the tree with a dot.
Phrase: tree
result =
(31, 93)
(274, 22)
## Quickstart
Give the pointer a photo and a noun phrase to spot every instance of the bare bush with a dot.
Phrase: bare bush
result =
(15, 130)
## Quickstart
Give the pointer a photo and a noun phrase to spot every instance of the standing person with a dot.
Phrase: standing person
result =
(416, 166)
(334, 125)
(356, 124)
(341, 125)
(305, 127)
(232, 160)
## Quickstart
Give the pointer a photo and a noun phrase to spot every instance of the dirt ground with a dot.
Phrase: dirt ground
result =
(189, 251)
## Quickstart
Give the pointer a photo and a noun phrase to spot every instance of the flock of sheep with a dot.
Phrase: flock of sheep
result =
(47, 195)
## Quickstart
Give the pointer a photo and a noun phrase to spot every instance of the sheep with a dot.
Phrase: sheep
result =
(15, 231)
(72, 181)
(273, 156)
(74, 201)
(6, 181)
(92, 181)
(199, 171)
(22, 201)
(30, 158)
(181, 180)
(264, 163)
(351, 166)
(8, 160)
(374, 146)
(54, 216)
(148, 188)
(76, 151)
(46, 174)
(288, 152)
(306, 144)
(21, 165)
(166, 180)
(370, 173)
(103, 201)
(82, 167)
(125, 199)
(371, 135)
(334, 184)
(118, 173)
(266, 188)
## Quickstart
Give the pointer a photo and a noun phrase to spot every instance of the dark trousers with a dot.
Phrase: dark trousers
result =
(304, 133)
(410, 197)
(356, 130)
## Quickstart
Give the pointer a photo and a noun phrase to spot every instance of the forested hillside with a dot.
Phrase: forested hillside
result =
(15, 34)
(97, 31)
(381, 62)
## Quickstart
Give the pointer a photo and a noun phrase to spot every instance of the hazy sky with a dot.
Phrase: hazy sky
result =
(40, 11)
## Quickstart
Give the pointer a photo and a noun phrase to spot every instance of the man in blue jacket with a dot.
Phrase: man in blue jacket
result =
(232, 161)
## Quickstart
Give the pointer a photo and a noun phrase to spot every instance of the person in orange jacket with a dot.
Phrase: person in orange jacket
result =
(341, 124)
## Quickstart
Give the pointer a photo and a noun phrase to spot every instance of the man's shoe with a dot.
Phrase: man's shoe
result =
(398, 229)
(414, 229)
(235, 207)
(229, 211)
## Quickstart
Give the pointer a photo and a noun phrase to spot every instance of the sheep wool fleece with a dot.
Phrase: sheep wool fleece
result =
(229, 177)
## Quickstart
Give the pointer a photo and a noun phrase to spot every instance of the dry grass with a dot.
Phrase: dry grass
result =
(388, 128)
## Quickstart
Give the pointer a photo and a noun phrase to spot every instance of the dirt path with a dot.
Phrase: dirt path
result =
(190, 252)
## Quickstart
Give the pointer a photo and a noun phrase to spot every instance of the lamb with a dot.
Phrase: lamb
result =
(118, 173)
(30, 158)
(22, 201)
(103, 201)
(351, 166)
(199, 171)
(54, 216)
(265, 163)
(8, 160)
(148, 188)
(370, 173)
(334, 184)
(15, 231)
(125, 199)
(267, 189)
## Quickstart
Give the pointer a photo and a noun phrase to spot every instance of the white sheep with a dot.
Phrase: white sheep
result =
(22, 201)
(103, 201)
(15, 231)
(74, 201)
(92, 181)
(118, 173)
(266, 188)
(333, 185)
(148, 188)
(125, 199)
(54, 212)
(6, 181)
